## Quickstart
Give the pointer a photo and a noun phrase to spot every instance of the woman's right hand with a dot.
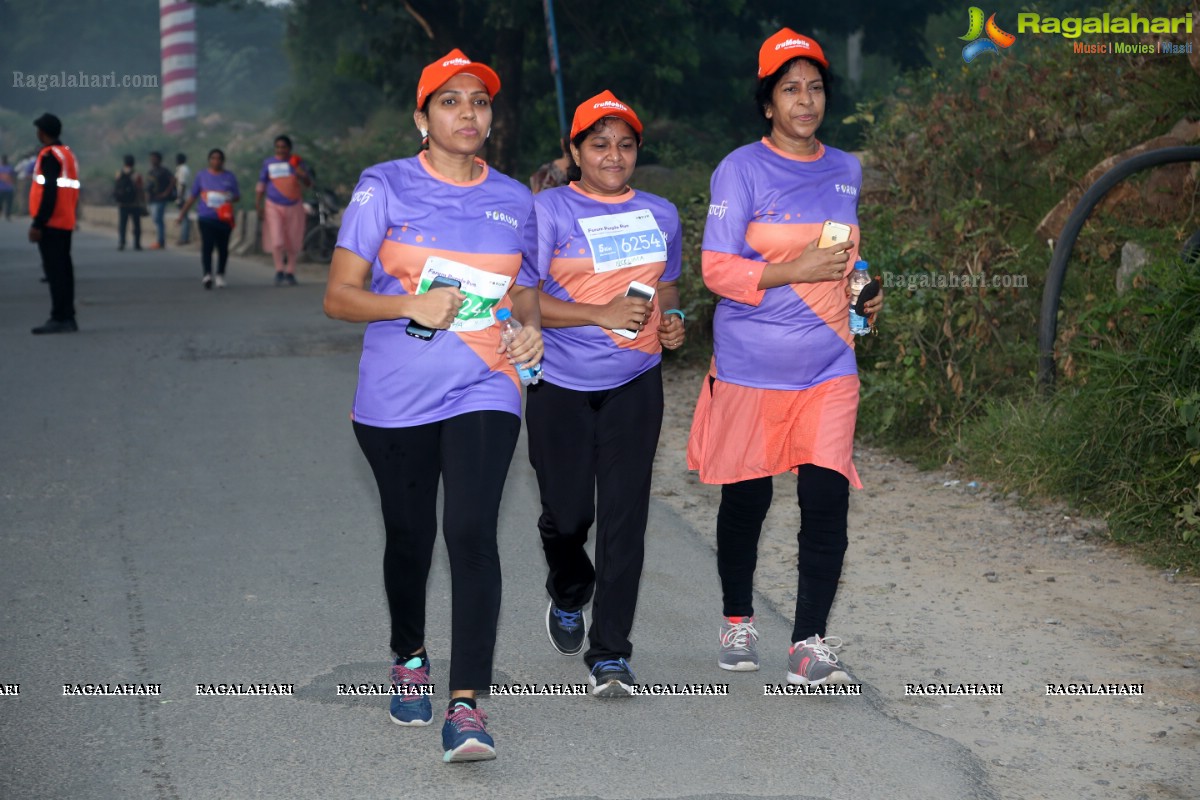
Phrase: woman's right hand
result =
(436, 308)
(623, 313)
(819, 264)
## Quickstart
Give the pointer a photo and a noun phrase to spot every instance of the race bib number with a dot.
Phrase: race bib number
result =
(215, 199)
(280, 169)
(483, 290)
(624, 240)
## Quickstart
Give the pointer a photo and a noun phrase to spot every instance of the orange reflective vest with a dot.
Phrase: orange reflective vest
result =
(63, 215)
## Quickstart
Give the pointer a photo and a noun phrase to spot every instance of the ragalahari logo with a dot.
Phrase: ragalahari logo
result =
(984, 37)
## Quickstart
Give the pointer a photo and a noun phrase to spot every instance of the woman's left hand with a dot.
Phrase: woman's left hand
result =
(670, 331)
(526, 348)
(873, 305)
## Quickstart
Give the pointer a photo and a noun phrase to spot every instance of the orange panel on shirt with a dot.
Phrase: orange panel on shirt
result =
(578, 277)
(779, 243)
(404, 262)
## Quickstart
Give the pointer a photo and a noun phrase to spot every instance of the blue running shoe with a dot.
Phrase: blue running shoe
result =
(567, 629)
(612, 679)
(464, 735)
(411, 709)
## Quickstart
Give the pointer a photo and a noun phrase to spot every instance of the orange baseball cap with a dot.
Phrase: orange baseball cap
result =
(603, 105)
(784, 45)
(455, 63)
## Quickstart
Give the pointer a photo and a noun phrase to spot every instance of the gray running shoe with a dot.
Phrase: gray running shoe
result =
(812, 662)
(739, 645)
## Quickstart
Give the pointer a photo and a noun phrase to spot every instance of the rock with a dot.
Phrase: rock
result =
(1134, 258)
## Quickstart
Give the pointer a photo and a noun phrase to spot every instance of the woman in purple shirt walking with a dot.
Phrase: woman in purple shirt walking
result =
(214, 193)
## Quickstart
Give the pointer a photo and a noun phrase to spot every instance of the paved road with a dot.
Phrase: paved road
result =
(182, 502)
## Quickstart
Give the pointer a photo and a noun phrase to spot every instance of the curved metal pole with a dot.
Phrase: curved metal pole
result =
(1048, 322)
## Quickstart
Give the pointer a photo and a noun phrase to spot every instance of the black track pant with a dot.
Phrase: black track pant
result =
(824, 497)
(596, 449)
(470, 453)
(55, 249)
(214, 233)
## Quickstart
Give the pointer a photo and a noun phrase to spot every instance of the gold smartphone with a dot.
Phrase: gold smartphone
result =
(833, 233)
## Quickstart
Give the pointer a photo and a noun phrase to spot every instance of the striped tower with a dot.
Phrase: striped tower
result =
(177, 34)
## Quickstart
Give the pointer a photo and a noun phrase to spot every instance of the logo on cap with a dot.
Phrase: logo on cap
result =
(611, 104)
(456, 62)
(789, 44)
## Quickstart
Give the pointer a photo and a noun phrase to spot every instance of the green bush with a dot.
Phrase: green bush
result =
(1123, 438)
(974, 157)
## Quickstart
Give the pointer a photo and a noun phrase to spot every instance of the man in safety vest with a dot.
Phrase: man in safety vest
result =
(53, 196)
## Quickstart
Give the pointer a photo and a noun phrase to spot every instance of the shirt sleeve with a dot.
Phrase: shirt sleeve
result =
(531, 250)
(726, 271)
(733, 277)
(730, 210)
(674, 235)
(364, 222)
(545, 234)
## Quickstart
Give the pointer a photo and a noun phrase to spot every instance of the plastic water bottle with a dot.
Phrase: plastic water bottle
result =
(508, 331)
(859, 325)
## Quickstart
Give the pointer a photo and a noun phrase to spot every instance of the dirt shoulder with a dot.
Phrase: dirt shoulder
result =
(947, 583)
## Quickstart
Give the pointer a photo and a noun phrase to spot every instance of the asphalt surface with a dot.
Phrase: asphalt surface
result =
(182, 502)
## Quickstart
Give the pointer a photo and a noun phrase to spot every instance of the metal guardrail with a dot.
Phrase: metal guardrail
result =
(1052, 294)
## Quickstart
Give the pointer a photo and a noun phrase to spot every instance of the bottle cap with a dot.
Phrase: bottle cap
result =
(503, 314)
(860, 264)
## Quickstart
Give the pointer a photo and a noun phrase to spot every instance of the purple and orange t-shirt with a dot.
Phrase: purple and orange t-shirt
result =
(214, 191)
(282, 184)
(8, 177)
(589, 249)
(766, 207)
(413, 224)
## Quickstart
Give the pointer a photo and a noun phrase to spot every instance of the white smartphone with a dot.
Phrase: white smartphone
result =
(635, 290)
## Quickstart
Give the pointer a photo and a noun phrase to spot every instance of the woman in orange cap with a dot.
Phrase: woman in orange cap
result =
(446, 243)
(594, 420)
(782, 392)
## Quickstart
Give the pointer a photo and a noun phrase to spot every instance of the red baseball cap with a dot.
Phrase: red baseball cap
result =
(603, 105)
(784, 45)
(455, 63)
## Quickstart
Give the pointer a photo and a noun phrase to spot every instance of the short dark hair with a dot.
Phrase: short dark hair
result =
(180, 158)
(156, 154)
(217, 151)
(285, 139)
(764, 95)
(574, 172)
(128, 160)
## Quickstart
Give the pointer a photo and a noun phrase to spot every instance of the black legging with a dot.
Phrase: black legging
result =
(214, 232)
(471, 454)
(824, 497)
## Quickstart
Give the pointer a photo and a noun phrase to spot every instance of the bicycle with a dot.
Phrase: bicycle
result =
(320, 231)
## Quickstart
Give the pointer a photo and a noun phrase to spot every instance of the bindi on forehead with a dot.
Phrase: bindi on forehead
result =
(802, 72)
